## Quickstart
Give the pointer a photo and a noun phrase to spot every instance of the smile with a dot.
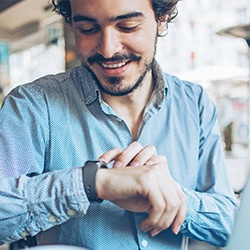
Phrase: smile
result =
(114, 65)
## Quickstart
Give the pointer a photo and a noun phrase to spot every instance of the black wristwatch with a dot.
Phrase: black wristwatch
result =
(89, 177)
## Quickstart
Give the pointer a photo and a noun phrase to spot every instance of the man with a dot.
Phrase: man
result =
(166, 179)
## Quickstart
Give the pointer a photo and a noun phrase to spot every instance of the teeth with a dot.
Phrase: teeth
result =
(113, 66)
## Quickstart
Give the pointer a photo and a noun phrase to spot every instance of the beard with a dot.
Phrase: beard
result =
(115, 87)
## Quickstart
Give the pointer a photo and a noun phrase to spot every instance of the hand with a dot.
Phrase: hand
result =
(134, 155)
(149, 188)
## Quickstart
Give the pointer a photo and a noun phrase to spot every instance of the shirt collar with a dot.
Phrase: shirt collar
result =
(161, 84)
(88, 81)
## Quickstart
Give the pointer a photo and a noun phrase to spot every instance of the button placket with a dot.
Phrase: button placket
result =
(143, 239)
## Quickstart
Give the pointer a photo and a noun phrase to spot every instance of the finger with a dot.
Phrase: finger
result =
(151, 222)
(154, 160)
(179, 219)
(181, 215)
(144, 156)
(170, 193)
(157, 208)
(166, 220)
(176, 208)
(128, 154)
(172, 206)
(110, 155)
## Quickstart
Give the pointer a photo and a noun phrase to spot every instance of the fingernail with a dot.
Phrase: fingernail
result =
(117, 164)
(154, 233)
(135, 164)
(176, 230)
(151, 162)
(144, 229)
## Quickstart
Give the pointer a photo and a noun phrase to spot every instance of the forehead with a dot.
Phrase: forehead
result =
(108, 9)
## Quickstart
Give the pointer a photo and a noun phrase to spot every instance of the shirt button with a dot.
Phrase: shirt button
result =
(24, 234)
(52, 218)
(144, 243)
(71, 212)
(118, 119)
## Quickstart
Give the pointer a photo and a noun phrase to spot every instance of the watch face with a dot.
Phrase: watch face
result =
(99, 163)
(92, 162)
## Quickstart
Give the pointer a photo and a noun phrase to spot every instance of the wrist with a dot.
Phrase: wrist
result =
(100, 180)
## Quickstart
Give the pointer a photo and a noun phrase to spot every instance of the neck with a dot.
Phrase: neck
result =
(131, 107)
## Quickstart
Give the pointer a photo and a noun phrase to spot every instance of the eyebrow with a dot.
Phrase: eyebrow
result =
(129, 15)
(81, 18)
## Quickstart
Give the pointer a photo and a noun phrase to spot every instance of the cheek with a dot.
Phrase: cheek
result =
(84, 46)
(145, 39)
(138, 43)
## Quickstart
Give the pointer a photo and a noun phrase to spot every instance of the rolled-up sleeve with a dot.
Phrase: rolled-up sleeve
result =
(210, 217)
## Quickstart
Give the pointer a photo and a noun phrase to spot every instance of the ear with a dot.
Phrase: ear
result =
(162, 25)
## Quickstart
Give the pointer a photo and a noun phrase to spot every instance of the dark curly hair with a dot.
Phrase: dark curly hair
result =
(161, 8)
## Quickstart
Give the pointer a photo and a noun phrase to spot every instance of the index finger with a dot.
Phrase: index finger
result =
(110, 155)
(122, 157)
(147, 156)
(128, 154)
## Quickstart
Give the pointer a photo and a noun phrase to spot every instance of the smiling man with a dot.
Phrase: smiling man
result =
(117, 42)
(158, 175)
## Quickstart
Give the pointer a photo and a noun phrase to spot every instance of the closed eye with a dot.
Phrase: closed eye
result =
(129, 28)
(89, 30)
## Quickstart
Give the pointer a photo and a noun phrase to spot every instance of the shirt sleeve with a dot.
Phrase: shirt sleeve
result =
(212, 206)
(34, 204)
(210, 217)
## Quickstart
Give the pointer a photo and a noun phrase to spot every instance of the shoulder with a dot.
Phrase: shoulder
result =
(47, 85)
(50, 82)
(176, 85)
(185, 89)
(189, 96)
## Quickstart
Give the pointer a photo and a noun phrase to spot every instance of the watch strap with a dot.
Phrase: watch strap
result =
(89, 179)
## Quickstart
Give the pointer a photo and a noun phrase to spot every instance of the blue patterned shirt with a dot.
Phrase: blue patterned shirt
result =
(50, 127)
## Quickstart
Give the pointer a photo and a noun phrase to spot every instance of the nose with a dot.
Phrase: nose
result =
(109, 43)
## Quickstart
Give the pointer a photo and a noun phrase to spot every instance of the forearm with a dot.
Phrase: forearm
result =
(31, 205)
(210, 217)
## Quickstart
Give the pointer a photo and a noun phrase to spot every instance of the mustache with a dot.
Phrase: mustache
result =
(100, 59)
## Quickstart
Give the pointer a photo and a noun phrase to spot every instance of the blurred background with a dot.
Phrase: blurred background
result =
(208, 43)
